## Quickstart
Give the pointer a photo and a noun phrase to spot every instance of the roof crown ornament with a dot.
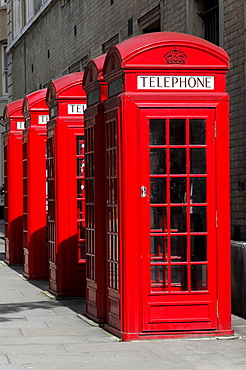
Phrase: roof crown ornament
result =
(175, 56)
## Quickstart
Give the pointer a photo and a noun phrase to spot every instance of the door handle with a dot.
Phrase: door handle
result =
(143, 191)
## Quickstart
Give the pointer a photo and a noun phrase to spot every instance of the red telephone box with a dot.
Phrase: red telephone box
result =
(95, 87)
(167, 171)
(35, 112)
(66, 188)
(13, 182)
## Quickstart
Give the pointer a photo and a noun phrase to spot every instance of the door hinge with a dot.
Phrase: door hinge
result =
(217, 308)
(216, 219)
(215, 129)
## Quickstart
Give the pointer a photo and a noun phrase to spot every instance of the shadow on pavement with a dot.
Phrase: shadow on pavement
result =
(76, 304)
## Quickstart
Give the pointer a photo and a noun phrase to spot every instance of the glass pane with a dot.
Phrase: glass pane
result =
(199, 277)
(157, 131)
(80, 166)
(198, 219)
(158, 190)
(178, 190)
(178, 248)
(198, 245)
(80, 145)
(159, 277)
(114, 163)
(198, 190)
(179, 277)
(157, 161)
(108, 164)
(178, 161)
(197, 131)
(178, 219)
(80, 187)
(177, 132)
(198, 160)
(158, 218)
(109, 219)
(114, 191)
(79, 205)
(158, 246)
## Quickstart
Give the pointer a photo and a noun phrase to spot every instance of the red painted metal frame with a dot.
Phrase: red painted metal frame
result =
(160, 54)
(13, 182)
(66, 220)
(95, 87)
(35, 112)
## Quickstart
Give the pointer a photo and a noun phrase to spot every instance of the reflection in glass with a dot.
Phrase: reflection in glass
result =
(80, 145)
(80, 187)
(198, 190)
(178, 219)
(198, 219)
(178, 190)
(159, 276)
(198, 160)
(158, 218)
(113, 191)
(198, 245)
(178, 161)
(179, 277)
(157, 131)
(199, 277)
(80, 166)
(157, 161)
(158, 190)
(109, 219)
(197, 131)
(79, 205)
(108, 164)
(178, 248)
(158, 245)
(177, 132)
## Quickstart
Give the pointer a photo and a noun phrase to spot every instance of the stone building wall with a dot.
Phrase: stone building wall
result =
(68, 34)
(234, 44)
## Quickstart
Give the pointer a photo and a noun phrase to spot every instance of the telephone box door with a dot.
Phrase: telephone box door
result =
(178, 216)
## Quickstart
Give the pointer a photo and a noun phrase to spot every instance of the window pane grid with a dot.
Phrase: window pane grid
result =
(179, 215)
(112, 205)
(51, 199)
(80, 179)
(90, 201)
(25, 198)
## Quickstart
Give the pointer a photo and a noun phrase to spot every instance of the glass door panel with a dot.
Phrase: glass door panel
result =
(181, 242)
(174, 160)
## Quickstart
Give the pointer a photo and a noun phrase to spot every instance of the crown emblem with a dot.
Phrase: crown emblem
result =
(175, 57)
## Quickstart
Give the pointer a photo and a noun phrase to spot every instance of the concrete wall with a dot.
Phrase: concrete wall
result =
(238, 269)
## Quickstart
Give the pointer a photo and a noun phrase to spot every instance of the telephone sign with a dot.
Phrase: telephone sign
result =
(43, 119)
(76, 108)
(20, 125)
(176, 82)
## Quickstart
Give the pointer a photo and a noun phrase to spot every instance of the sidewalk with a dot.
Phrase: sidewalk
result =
(37, 332)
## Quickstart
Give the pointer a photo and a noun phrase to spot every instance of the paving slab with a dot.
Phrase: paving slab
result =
(72, 366)
(43, 333)
(12, 367)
